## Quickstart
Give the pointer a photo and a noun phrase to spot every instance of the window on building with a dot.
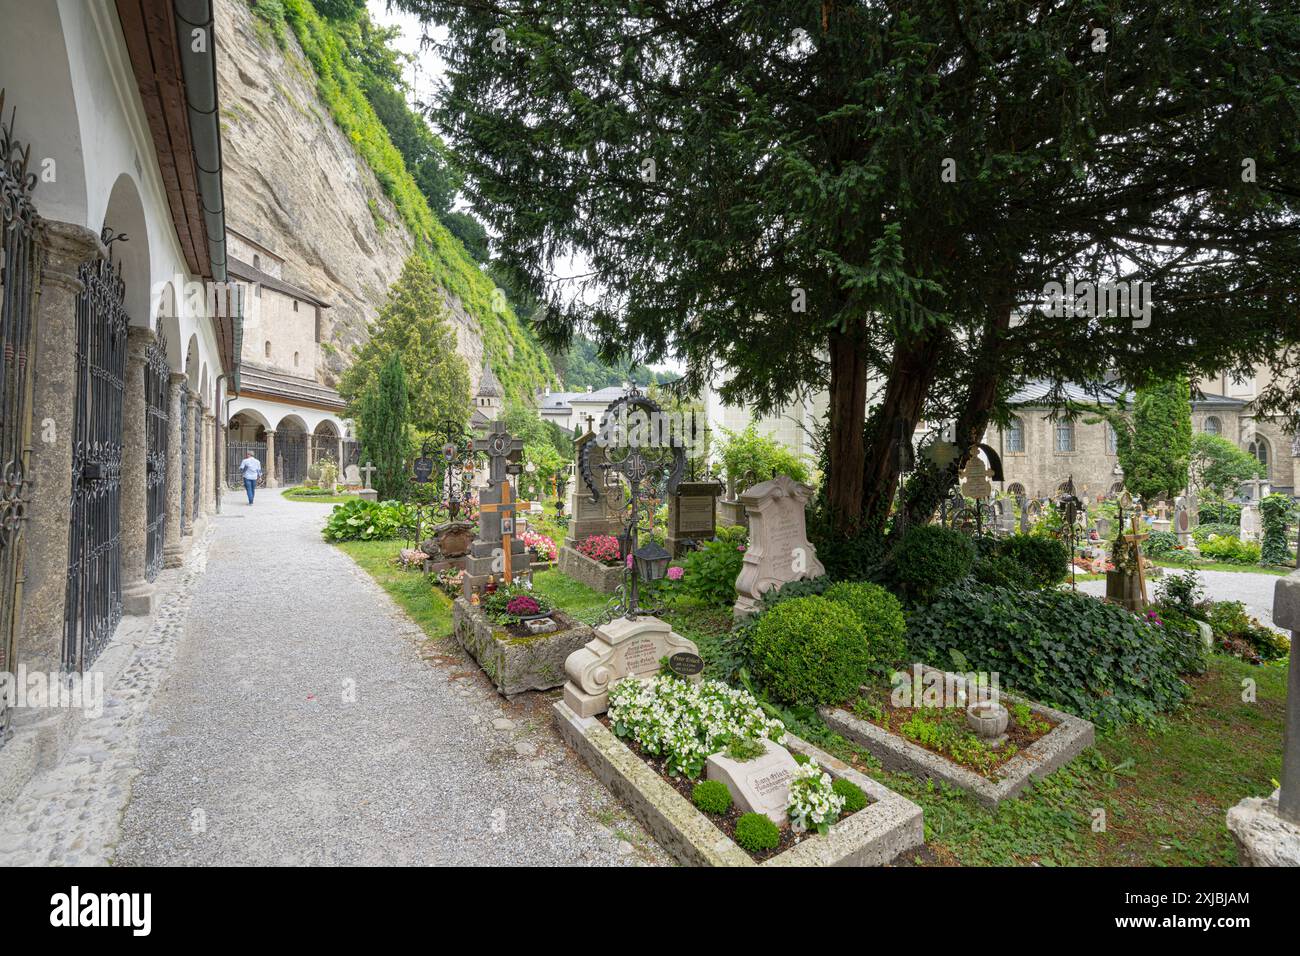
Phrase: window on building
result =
(1016, 489)
(257, 261)
(295, 305)
(257, 290)
(1065, 436)
(1213, 426)
(268, 348)
(1016, 435)
(295, 359)
(1259, 448)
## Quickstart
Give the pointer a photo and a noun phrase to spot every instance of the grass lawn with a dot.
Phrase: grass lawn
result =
(289, 495)
(426, 605)
(1223, 566)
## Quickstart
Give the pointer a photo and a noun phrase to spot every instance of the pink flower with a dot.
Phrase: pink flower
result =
(675, 574)
(629, 560)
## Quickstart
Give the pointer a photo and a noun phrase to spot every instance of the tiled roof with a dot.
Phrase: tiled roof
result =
(287, 387)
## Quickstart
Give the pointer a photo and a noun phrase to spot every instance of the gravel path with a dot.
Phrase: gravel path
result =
(1251, 589)
(307, 720)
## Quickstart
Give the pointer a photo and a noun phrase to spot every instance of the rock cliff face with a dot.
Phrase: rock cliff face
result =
(294, 184)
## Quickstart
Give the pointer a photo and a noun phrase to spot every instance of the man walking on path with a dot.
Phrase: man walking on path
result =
(251, 469)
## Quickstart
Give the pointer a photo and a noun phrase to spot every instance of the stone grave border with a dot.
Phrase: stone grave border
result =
(875, 835)
(516, 664)
(1069, 738)
(599, 577)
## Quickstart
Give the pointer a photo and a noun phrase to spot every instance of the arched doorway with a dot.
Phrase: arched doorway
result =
(246, 435)
(292, 451)
(325, 443)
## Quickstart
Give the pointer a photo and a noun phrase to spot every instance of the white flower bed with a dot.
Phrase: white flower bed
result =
(684, 722)
(813, 804)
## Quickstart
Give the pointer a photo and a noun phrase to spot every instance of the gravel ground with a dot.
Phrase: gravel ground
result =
(1251, 589)
(306, 720)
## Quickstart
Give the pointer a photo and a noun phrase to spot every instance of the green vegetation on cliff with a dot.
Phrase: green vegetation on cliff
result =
(517, 358)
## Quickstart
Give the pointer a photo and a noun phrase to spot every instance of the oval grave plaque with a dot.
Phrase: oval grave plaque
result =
(686, 664)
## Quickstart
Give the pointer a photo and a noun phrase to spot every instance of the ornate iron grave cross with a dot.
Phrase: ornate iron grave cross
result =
(501, 449)
(639, 446)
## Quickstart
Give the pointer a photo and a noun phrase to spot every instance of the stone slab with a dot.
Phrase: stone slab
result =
(516, 664)
(1069, 738)
(1263, 837)
(761, 785)
(888, 826)
(1286, 602)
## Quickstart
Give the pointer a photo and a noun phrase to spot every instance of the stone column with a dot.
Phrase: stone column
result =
(137, 593)
(199, 462)
(187, 462)
(210, 469)
(173, 552)
(269, 464)
(54, 396)
(1267, 830)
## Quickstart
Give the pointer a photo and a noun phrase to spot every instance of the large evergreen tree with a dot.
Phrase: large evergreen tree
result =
(412, 326)
(1154, 446)
(382, 418)
(870, 196)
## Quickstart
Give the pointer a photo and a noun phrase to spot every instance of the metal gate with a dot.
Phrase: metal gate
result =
(20, 279)
(157, 417)
(237, 451)
(290, 458)
(94, 596)
(324, 447)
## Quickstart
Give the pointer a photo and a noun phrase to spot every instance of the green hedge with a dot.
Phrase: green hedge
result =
(1045, 560)
(880, 615)
(930, 558)
(811, 651)
(1092, 659)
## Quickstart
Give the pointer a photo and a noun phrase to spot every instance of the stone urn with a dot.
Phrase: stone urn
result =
(988, 719)
(453, 538)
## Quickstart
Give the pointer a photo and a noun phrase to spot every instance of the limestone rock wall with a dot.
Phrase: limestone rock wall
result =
(294, 184)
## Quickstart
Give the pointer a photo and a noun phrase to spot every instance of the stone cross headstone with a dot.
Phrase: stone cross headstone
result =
(1267, 830)
(504, 511)
(779, 550)
(692, 514)
(501, 450)
(368, 493)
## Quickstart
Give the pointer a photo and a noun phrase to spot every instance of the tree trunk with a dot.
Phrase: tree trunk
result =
(910, 377)
(848, 401)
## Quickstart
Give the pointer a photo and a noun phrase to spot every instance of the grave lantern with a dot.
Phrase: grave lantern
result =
(651, 561)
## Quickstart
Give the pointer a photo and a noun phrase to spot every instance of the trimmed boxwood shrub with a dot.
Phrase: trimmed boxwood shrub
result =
(712, 796)
(880, 614)
(1070, 650)
(1045, 559)
(930, 558)
(854, 798)
(757, 833)
(1002, 572)
(811, 650)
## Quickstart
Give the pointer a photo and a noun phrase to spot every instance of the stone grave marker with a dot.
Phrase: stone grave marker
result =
(1249, 522)
(367, 493)
(601, 516)
(779, 550)
(975, 480)
(761, 785)
(1183, 523)
(352, 476)
(623, 648)
(692, 514)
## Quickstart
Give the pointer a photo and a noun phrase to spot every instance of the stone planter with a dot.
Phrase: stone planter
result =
(599, 577)
(888, 826)
(517, 664)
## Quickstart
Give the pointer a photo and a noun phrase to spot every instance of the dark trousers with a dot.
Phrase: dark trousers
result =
(250, 484)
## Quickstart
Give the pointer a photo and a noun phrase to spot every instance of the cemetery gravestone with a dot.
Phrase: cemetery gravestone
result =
(692, 514)
(975, 480)
(352, 476)
(602, 516)
(367, 493)
(779, 550)
(625, 647)
(1249, 522)
(487, 557)
(760, 785)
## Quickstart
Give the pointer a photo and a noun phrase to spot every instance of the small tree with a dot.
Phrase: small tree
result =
(1155, 447)
(413, 326)
(748, 451)
(1219, 466)
(382, 420)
